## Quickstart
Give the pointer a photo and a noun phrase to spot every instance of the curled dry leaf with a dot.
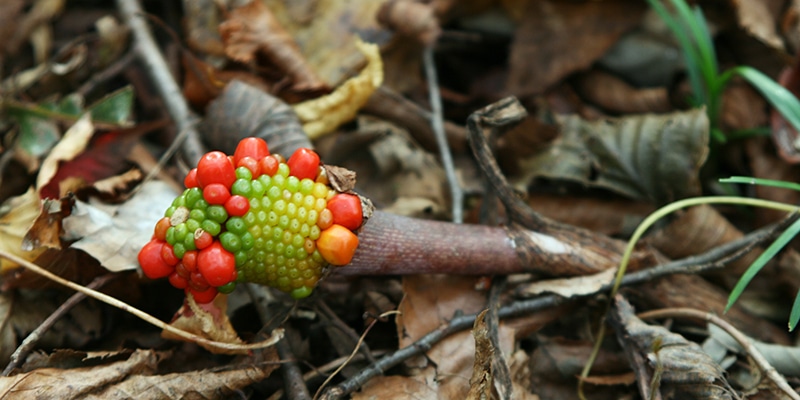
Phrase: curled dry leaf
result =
(684, 371)
(481, 382)
(253, 29)
(323, 115)
(410, 18)
(616, 95)
(209, 321)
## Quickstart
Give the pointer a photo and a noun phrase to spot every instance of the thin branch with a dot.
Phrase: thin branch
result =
(744, 341)
(712, 259)
(437, 122)
(30, 341)
(274, 338)
(156, 68)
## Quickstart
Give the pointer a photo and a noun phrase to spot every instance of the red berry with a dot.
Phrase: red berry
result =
(251, 164)
(346, 209)
(152, 263)
(168, 255)
(178, 281)
(198, 282)
(215, 167)
(237, 206)
(203, 297)
(217, 265)
(255, 148)
(268, 165)
(304, 163)
(160, 232)
(189, 260)
(216, 194)
(202, 239)
(191, 179)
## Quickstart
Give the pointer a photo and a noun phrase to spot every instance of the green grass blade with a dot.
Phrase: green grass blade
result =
(690, 53)
(759, 181)
(794, 316)
(702, 44)
(762, 260)
(780, 98)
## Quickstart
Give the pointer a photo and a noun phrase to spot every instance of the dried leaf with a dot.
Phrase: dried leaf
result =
(410, 18)
(16, 217)
(480, 384)
(253, 29)
(46, 230)
(538, 58)
(684, 370)
(72, 144)
(568, 287)
(325, 114)
(114, 234)
(785, 359)
(209, 321)
(646, 157)
(758, 18)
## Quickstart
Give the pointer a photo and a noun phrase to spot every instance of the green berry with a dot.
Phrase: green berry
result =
(244, 173)
(230, 242)
(242, 187)
(211, 226)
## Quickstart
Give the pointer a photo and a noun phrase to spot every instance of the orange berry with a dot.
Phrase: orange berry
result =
(337, 245)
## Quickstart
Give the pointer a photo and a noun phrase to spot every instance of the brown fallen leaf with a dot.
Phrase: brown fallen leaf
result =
(206, 320)
(323, 115)
(539, 56)
(76, 383)
(410, 18)
(252, 29)
(16, 217)
(614, 94)
(481, 382)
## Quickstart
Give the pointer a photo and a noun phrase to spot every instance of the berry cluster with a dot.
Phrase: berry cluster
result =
(253, 217)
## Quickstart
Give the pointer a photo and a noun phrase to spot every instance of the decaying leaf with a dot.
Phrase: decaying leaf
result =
(646, 157)
(682, 369)
(410, 18)
(480, 384)
(323, 115)
(253, 29)
(209, 321)
(785, 359)
(114, 234)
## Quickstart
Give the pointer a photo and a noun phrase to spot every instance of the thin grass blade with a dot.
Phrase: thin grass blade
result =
(780, 98)
(762, 260)
(759, 181)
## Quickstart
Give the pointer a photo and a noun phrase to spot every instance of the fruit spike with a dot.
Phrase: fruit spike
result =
(253, 217)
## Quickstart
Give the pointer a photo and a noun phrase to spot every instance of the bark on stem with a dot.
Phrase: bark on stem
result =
(395, 245)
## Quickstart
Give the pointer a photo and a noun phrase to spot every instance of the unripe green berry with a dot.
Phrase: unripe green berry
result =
(242, 187)
(236, 225)
(217, 213)
(230, 242)
(211, 226)
(244, 173)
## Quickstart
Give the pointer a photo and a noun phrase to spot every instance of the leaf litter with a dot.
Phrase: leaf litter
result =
(588, 155)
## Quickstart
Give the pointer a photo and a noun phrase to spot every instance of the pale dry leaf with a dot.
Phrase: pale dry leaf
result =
(114, 234)
(758, 18)
(397, 388)
(325, 114)
(205, 384)
(76, 383)
(73, 143)
(569, 287)
(16, 217)
(209, 321)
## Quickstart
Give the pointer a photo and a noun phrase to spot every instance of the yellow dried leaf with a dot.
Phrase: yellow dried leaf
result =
(14, 224)
(324, 114)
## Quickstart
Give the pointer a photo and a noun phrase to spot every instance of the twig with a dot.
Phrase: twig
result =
(109, 72)
(715, 258)
(158, 71)
(437, 122)
(274, 338)
(30, 341)
(294, 385)
(337, 323)
(736, 334)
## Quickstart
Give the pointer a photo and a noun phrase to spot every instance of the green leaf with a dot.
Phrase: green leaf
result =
(794, 316)
(36, 135)
(780, 98)
(648, 157)
(115, 108)
(762, 260)
(760, 181)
